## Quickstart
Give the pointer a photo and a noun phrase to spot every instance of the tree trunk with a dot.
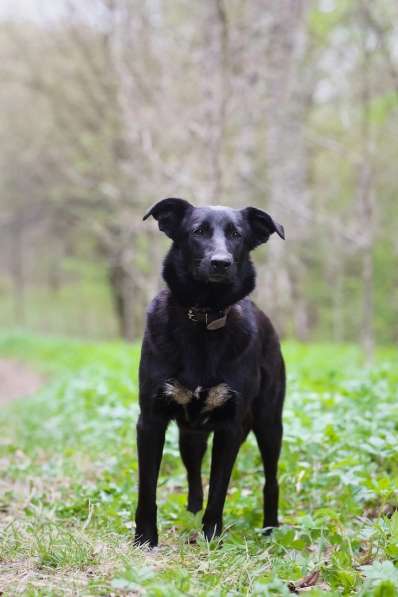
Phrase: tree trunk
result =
(366, 205)
(366, 200)
(215, 64)
(18, 274)
(121, 285)
(367, 317)
(286, 152)
(338, 299)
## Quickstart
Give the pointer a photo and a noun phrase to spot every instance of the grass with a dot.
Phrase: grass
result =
(68, 476)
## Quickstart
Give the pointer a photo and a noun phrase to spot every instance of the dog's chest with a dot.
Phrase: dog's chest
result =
(200, 407)
(201, 361)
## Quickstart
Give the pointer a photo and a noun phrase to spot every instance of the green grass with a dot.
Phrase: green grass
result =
(68, 480)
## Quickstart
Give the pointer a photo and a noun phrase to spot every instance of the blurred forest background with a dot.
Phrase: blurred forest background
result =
(288, 105)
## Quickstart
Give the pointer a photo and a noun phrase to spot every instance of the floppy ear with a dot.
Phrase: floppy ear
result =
(169, 214)
(261, 226)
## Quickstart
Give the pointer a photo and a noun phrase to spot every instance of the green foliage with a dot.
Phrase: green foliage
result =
(70, 476)
(323, 22)
(382, 107)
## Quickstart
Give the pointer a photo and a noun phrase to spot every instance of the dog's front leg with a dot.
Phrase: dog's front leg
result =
(150, 442)
(225, 448)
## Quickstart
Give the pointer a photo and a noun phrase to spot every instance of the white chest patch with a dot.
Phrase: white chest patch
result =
(217, 396)
(214, 397)
(175, 391)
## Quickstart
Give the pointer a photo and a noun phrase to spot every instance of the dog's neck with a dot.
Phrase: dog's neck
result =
(211, 319)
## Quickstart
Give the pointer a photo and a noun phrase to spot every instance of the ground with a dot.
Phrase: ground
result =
(17, 380)
(68, 481)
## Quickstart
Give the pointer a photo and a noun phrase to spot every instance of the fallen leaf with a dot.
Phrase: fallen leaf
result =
(193, 538)
(307, 582)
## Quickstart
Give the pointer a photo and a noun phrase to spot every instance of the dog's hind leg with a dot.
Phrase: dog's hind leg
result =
(269, 439)
(192, 447)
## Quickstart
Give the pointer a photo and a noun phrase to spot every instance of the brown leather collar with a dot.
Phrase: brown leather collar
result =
(213, 319)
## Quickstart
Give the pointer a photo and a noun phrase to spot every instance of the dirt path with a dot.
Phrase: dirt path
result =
(17, 380)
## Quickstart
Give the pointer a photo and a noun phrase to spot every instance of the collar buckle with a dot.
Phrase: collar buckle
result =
(192, 316)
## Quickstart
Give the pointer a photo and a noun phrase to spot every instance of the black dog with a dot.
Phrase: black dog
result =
(210, 359)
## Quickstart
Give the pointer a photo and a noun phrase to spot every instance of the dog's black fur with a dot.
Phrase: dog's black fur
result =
(229, 380)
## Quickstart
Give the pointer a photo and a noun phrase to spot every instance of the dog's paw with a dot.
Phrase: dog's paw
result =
(146, 538)
(268, 529)
(212, 530)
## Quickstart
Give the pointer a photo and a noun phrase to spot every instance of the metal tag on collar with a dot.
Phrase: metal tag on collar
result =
(217, 323)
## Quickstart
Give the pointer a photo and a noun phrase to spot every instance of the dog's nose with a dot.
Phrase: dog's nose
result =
(220, 263)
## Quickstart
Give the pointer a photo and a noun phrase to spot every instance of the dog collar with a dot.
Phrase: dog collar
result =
(213, 319)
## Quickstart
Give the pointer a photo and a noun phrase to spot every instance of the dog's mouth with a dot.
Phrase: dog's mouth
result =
(206, 277)
(219, 278)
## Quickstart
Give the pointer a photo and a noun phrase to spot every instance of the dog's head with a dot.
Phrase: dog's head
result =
(215, 241)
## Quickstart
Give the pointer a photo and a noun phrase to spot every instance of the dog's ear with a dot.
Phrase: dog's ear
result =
(169, 214)
(261, 226)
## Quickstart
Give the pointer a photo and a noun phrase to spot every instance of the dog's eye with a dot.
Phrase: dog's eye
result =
(200, 231)
(234, 233)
